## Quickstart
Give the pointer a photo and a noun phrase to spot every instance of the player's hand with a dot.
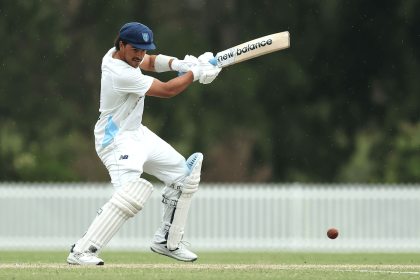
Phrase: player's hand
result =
(208, 71)
(184, 65)
(190, 63)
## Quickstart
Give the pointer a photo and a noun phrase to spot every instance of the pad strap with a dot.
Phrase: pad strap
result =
(166, 226)
(171, 202)
(176, 186)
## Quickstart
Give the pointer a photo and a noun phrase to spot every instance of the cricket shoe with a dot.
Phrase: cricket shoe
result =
(181, 253)
(87, 258)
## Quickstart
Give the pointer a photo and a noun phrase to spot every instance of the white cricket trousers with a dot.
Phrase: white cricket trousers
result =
(133, 152)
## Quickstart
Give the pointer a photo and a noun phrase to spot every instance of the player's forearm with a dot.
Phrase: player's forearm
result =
(171, 88)
(177, 85)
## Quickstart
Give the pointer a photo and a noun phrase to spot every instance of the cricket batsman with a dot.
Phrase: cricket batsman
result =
(127, 148)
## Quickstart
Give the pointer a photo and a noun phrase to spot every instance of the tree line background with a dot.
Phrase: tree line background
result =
(340, 105)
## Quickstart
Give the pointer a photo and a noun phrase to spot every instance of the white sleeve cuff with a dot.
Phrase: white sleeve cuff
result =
(162, 63)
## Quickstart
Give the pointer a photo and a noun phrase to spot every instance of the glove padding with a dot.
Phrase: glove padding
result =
(208, 71)
(190, 63)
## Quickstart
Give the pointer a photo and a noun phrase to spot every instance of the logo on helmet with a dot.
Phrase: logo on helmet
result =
(145, 36)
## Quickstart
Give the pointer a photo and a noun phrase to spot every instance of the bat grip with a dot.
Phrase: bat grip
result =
(212, 61)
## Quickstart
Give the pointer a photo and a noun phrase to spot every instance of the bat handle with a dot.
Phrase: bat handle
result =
(212, 61)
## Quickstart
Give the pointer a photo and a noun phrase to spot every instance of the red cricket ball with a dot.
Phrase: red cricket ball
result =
(332, 233)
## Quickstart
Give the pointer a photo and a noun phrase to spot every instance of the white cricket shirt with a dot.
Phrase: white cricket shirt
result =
(123, 90)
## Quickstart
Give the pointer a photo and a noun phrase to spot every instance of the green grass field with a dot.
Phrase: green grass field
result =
(249, 265)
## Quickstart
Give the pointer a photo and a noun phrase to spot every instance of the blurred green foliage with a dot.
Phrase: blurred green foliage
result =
(341, 105)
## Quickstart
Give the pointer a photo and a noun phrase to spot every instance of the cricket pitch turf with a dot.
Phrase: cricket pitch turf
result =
(222, 265)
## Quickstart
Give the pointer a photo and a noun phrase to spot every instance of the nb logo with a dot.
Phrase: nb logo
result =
(124, 157)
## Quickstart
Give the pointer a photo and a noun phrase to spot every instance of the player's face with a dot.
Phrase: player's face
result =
(132, 55)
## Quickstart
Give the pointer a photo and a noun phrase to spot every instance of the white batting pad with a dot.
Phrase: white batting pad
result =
(194, 163)
(132, 196)
(124, 204)
(183, 205)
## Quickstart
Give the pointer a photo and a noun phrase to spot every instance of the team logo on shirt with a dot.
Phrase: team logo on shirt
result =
(145, 36)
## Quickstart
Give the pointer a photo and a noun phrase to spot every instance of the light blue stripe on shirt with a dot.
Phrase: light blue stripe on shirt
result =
(110, 131)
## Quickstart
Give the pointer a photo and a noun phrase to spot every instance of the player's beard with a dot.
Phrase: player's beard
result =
(134, 61)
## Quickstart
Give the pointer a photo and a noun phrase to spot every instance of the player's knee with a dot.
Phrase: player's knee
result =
(194, 164)
(189, 184)
(132, 196)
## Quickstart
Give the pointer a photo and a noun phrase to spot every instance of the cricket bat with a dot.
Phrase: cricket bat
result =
(251, 49)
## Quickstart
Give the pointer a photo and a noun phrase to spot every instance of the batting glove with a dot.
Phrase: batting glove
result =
(208, 71)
